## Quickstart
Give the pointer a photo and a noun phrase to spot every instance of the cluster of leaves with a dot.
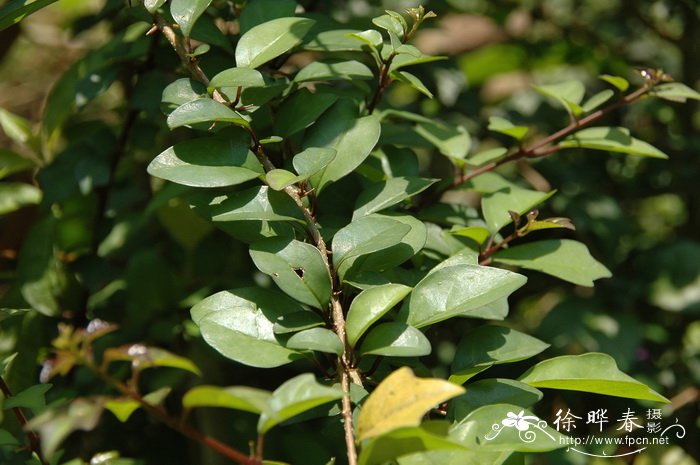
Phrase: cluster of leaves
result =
(294, 153)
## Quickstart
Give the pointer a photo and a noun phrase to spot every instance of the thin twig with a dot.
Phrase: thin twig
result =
(32, 437)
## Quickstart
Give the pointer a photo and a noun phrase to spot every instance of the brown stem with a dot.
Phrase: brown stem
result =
(32, 437)
(484, 257)
(346, 365)
(173, 422)
(383, 83)
(540, 149)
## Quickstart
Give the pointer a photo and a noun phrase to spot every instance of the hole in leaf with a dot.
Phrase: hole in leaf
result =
(299, 272)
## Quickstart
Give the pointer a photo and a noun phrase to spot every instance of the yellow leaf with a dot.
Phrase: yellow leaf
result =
(401, 400)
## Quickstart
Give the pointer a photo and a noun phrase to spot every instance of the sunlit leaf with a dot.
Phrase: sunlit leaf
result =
(269, 40)
(186, 12)
(593, 372)
(563, 258)
(369, 306)
(247, 399)
(612, 139)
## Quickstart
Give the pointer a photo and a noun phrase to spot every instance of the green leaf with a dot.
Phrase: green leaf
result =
(247, 399)
(333, 70)
(487, 156)
(491, 345)
(180, 92)
(369, 306)
(239, 324)
(123, 407)
(476, 233)
(503, 126)
(384, 194)
(143, 357)
(153, 5)
(186, 12)
(403, 441)
(364, 236)
(295, 396)
(619, 82)
(395, 339)
(370, 37)
(563, 258)
(389, 23)
(675, 92)
(39, 273)
(11, 163)
(408, 56)
(458, 291)
(496, 205)
(493, 391)
(33, 398)
(278, 179)
(15, 11)
(312, 160)
(229, 81)
(351, 137)
(269, 40)
(297, 321)
(569, 94)
(15, 127)
(7, 439)
(261, 11)
(334, 40)
(612, 139)
(296, 267)
(257, 203)
(204, 110)
(207, 162)
(411, 80)
(6, 363)
(506, 427)
(597, 100)
(16, 195)
(290, 120)
(401, 400)
(320, 339)
(453, 142)
(593, 372)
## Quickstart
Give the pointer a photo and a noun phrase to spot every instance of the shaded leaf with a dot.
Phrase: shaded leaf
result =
(334, 40)
(592, 372)
(612, 139)
(15, 127)
(563, 258)
(597, 100)
(351, 137)
(369, 306)
(295, 396)
(453, 142)
(181, 91)
(400, 401)
(675, 92)
(404, 441)
(569, 94)
(506, 427)
(207, 162)
(239, 324)
(475, 233)
(487, 156)
(389, 192)
(290, 120)
(320, 339)
(458, 291)
(493, 391)
(11, 163)
(364, 236)
(39, 273)
(296, 267)
(230, 80)
(247, 399)
(153, 5)
(297, 321)
(269, 40)
(491, 345)
(261, 11)
(307, 163)
(204, 110)
(186, 12)
(34, 398)
(395, 339)
(257, 203)
(332, 70)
